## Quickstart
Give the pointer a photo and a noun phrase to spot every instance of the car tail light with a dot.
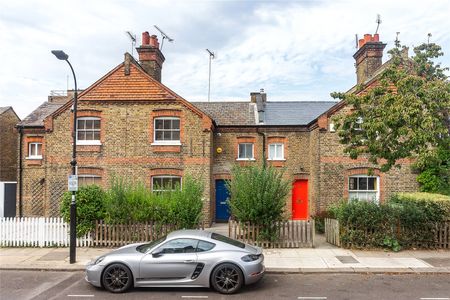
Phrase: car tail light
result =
(251, 257)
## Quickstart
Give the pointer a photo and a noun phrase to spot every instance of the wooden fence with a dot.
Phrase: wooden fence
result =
(439, 236)
(37, 232)
(332, 232)
(290, 234)
(114, 235)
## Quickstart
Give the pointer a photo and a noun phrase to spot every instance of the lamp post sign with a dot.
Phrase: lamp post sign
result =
(73, 183)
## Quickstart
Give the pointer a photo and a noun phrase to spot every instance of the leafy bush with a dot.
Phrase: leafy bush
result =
(90, 207)
(134, 202)
(406, 219)
(258, 195)
(364, 224)
(431, 207)
(435, 172)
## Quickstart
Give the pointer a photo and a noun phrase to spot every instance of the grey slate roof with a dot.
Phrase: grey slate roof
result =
(229, 113)
(295, 112)
(36, 118)
(277, 113)
(3, 109)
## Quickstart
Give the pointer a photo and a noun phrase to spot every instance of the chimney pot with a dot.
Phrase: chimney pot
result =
(376, 37)
(154, 41)
(151, 58)
(145, 38)
(367, 37)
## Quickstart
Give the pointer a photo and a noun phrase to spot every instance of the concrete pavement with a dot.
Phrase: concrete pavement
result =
(315, 260)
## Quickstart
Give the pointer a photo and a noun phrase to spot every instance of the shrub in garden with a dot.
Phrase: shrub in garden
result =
(406, 219)
(133, 202)
(364, 224)
(258, 195)
(90, 207)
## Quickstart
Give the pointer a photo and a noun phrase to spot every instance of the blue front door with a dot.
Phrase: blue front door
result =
(222, 195)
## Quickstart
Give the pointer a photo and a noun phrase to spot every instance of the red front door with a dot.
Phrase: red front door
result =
(300, 200)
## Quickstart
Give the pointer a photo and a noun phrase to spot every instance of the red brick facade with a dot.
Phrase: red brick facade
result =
(127, 101)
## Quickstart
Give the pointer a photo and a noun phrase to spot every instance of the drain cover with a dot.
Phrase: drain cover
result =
(347, 259)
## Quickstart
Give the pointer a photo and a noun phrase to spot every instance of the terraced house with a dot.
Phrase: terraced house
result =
(129, 124)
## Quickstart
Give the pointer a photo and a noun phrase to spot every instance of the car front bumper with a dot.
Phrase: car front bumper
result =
(94, 274)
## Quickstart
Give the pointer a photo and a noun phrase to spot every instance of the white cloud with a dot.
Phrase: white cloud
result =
(296, 50)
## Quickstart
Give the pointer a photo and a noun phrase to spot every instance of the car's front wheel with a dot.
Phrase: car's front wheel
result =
(227, 278)
(117, 278)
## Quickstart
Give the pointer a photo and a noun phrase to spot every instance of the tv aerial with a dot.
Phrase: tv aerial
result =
(132, 37)
(378, 22)
(212, 55)
(164, 36)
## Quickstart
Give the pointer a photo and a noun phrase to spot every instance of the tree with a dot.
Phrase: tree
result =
(406, 115)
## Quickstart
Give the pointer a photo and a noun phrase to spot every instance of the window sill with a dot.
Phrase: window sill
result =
(281, 159)
(34, 158)
(89, 143)
(174, 143)
(245, 159)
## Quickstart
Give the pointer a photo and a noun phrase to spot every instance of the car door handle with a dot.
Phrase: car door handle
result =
(188, 261)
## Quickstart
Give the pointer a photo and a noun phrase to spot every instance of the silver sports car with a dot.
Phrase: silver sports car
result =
(190, 258)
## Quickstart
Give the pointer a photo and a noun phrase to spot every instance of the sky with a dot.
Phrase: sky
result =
(295, 50)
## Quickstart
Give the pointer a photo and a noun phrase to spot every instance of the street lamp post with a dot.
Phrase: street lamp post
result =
(73, 208)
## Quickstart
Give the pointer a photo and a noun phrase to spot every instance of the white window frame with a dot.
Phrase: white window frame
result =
(246, 158)
(366, 192)
(166, 142)
(278, 157)
(165, 176)
(89, 142)
(30, 154)
(88, 176)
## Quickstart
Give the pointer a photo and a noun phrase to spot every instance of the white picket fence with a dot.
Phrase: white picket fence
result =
(37, 232)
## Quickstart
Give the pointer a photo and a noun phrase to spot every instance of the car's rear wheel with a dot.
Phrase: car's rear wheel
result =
(227, 278)
(117, 278)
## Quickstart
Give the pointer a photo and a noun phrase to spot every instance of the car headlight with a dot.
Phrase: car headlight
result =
(99, 260)
(251, 257)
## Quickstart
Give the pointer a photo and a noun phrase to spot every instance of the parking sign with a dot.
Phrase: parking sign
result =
(73, 183)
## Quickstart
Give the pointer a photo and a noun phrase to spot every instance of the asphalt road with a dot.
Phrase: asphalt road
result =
(71, 285)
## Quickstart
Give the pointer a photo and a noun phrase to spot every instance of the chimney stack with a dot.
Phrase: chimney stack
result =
(368, 57)
(150, 57)
(260, 99)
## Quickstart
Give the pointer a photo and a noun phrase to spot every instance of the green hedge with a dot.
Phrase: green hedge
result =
(90, 207)
(405, 220)
(134, 202)
(126, 202)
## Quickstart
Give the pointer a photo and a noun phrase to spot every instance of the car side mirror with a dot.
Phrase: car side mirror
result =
(157, 253)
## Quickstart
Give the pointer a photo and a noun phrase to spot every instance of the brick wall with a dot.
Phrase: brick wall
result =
(297, 164)
(9, 138)
(125, 151)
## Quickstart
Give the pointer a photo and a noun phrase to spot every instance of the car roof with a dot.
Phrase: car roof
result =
(189, 233)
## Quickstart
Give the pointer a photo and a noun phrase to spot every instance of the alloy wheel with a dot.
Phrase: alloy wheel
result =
(117, 278)
(227, 279)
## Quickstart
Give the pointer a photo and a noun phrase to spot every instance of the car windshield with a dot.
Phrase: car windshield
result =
(145, 247)
(222, 238)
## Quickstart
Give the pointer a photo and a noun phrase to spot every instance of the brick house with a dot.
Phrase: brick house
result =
(9, 138)
(131, 125)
